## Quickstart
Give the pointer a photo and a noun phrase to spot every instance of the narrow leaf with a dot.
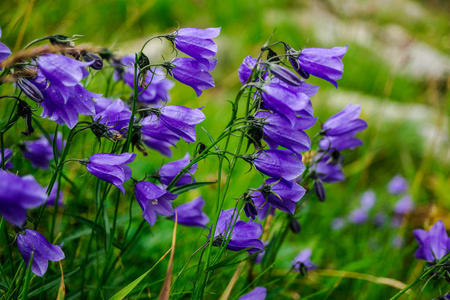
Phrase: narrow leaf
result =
(231, 284)
(190, 186)
(211, 138)
(62, 287)
(165, 291)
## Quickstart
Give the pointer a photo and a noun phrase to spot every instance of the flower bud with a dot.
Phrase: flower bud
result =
(88, 57)
(319, 189)
(29, 89)
(295, 226)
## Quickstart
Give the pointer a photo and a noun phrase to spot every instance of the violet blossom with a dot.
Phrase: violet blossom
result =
(33, 244)
(40, 152)
(278, 164)
(243, 235)
(111, 168)
(196, 43)
(191, 214)
(53, 197)
(433, 244)
(170, 170)
(114, 114)
(302, 262)
(154, 201)
(7, 153)
(258, 293)
(161, 146)
(398, 185)
(18, 195)
(4, 50)
(404, 205)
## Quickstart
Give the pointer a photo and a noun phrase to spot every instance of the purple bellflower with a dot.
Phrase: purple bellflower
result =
(193, 73)
(404, 205)
(40, 152)
(259, 293)
(111, 168)
(278, 164)
(32, 243)
(328, 170)
(7, 154)
(156, 88)
(358, 216)
(398, 185)
(337, 223)
(302, 262)
(114, 114)
(245, 69)
(53, 197)
(161, 146)
(172, 123)
(323, 63)
(281, 194)
(191, 214)
(154, 201)
(244, 235)
(170, 170)
(18, 195)
(196, 43)
(4, 50)
(433, 244)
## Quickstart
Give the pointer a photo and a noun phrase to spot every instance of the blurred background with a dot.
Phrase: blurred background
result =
(397, 68)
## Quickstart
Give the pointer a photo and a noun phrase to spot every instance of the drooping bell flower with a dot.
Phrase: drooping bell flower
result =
(7, 155)
(161, 146)
(154, 201)
(196, 43)
(328, 169)
(368, 200)
(242, 236)
(191, 214)
(323, 63)
(404, 205)
(170, 170)
(192, 73)
(281, 194)
(279, 132)
(302, 262)
(398, 185)
(40, 152)
(111, 168)
(33, 244)
(4, 50)
(433, 244)
(114, 114)
(19, 194)
(358, 216)
(278, 164)
(53, 198)
(245, 69)
(259, 293)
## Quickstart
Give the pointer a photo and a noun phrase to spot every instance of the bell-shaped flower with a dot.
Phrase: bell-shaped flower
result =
(161, 146)
(243, 235)
(111, 168)
(196, 43)
(114, 114)
(302, 262)
(33, 244)
(154, 201)
(358, 216)
(245, 69)
(193, 73)
(259, 293)
(4, 50)
(329, 170)
(404, 205)
(344, 122)
(170, 170)
(433, 244)
(278, 164)
(7, 153)
(18, 195)
(40, 152)
(279, 132)
(54, 198)
(281, 194)
(398, 185)
(191, 214)
(323, 63)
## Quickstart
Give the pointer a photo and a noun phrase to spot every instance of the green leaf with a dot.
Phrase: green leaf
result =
(229, 259)
(99, 229)
(211, 138)
(191, 186)
(28, 276)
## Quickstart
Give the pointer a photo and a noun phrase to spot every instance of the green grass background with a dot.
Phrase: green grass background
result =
(406, 108)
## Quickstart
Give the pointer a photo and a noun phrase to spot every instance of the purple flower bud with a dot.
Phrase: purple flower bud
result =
(40, 152)
(90, 57)
(193, 73)
(191, 214)
(7, 154)
(32, 243)
(404, 205)
(433, 244)
(323, 63)
(259, 293)
(153, 201)
(398, 185)
(170, 170)
(319, 190)
(197, 43)
(302, 262)
(295, 226)
(4, 50)
(111, 168)
(279, 164)
(243, 235)
(285, 75)
(18, 195)
(31, 90)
